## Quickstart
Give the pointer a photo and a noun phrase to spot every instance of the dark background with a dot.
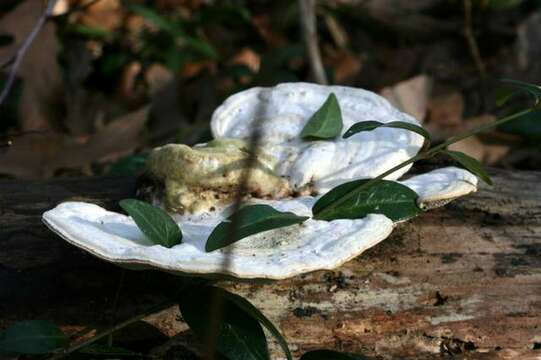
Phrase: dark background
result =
(107, 80)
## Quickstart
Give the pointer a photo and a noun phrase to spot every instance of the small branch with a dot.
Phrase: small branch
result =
(470, 38)
(16, 60)
(76, 347)
(309, 30)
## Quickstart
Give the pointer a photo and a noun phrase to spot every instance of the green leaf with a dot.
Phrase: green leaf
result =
(155, 223)
(470, 164)
(250, 220)
(130, 165)
(32, 337)
(527, 126)
(254, 312)
(95, 32)
(332, 355)
(174, 29)
(531, 89)
(156, 19)
(326, 123)
(390, 198)
(371, 125)
(238, 335)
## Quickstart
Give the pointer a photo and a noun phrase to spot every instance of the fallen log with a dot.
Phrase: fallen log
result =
(464, 280)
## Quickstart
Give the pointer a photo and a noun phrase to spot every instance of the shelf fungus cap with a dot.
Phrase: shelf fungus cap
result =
(295, 172)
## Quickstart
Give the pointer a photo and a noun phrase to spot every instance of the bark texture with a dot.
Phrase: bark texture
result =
(464, 280)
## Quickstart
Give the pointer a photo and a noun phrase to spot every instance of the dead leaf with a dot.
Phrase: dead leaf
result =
(471, 146)
(446, 110)
(263, 25)
(248, 58)
(103, 14)
(194, 69)
(128, 83)
(489, 154)
(157, 76)
(40, 155)
(39, 68)
(410, 96)
(346, 65)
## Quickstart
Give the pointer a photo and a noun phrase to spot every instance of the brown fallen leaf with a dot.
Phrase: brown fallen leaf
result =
(39, 69)
(40, 155)
(410, 96)
(489, 154)
(248, 58)
(103, 14)
(263, 25)
(446, 110)
(346, 65)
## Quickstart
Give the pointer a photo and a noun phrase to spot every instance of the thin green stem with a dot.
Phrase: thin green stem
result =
(426, 155)
(79, 346)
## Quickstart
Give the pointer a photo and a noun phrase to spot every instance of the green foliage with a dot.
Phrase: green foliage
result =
(130, 165)
(326, 123)
(239, 336)
(358, 198)
(371, 125)
(470, 164)
(32, 337)
(332, 355)
(155, 223)
(251, 310)
(91, 32)
(504, 95)
(527, 126)
(177, 38)
(249, 220)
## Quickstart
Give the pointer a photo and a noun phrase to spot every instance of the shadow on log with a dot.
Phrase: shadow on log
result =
(464, 280)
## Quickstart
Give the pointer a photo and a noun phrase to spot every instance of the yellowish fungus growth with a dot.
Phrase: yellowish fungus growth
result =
(200, 178)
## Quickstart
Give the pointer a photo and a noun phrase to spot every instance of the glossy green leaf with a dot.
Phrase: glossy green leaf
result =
(326, 123)
(332, 355)
(390, 198)
(371, 125)
(32, 337)
(470, 164)
(154, 222)
(531, 89)
(239, 336)
(254, 312)
(250, 220)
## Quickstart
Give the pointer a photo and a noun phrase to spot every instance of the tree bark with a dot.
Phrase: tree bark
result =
(464, 280)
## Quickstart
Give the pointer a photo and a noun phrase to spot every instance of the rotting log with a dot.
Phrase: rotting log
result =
(464, 280)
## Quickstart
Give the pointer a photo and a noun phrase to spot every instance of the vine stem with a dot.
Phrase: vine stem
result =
(79, 346)
(426, 155)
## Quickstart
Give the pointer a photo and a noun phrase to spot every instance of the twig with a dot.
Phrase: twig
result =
(309, 30)
(115, 304)
(111, 330)
(470, 38)
(216, 306)
(16, 60)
